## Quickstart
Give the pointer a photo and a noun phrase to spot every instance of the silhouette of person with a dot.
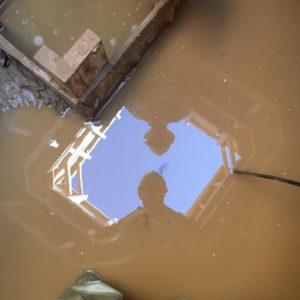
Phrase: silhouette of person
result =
(158, 113)
(152, 190)
(163, 90)
(152, 238)
(159, 138)
(151, 226)
(158, 106)
(160, 222)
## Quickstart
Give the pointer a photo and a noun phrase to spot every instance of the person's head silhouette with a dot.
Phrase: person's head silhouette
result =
(159, 138)
(152, 189)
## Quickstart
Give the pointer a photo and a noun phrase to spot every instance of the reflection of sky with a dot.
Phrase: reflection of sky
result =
(111, 178)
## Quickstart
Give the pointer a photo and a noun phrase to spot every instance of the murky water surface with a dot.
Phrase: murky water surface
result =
(59, 24)
(222, 85)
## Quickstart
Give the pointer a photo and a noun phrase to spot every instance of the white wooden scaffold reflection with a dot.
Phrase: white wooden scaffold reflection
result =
(69, 165)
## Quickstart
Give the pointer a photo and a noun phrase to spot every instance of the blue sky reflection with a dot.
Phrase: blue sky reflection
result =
(112, 176)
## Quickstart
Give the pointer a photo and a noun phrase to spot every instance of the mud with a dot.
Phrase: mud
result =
(20, 88)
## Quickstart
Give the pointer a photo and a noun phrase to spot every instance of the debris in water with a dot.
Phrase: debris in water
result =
(56, 31)
(112, 222)
(53, 143)
(38, 40)
(113, 42)
(133, 28)
(163, 168)
(168, 79)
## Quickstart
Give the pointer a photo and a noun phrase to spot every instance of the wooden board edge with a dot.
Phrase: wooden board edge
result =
(38, 72)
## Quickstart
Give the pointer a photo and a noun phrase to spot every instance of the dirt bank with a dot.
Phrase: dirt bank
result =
(19, 87)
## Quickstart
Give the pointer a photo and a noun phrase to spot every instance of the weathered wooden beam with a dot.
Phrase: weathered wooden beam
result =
(83, 76)
(79, 66)
(37, 71)
(124, 61)
(80, 153)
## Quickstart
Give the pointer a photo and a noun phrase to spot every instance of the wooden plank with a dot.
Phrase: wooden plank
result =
(36, 70)
(79, 179)
(87, 57)
(94, 81)
(53, 63)
(79, 66)
(80, 153)
(109, 80)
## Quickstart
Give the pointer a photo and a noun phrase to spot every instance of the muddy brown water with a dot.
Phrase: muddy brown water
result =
(233, 75)
(60, 23)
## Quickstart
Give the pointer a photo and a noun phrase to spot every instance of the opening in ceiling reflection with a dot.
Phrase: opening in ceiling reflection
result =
(120, 161)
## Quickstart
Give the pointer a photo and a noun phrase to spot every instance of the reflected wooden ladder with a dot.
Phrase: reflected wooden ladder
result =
(69, 165)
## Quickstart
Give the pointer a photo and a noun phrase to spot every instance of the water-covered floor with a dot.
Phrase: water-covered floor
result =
(225, 76)
(58, 24)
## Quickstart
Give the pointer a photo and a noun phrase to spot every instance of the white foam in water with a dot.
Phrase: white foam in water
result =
(133, 28)
(38, 40)
(237, 156)
(112, 221)
(113, 42)
(53, 143)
